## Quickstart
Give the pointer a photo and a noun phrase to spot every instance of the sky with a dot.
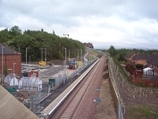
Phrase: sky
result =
(104, 23)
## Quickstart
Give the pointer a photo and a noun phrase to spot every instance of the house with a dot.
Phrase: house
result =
(90, 45)
(153, 62)
(140, 58)
(10, 60)
(147, 76)
(130, 56)
(144, 59)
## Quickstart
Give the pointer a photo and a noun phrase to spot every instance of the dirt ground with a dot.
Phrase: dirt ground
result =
(106, 109)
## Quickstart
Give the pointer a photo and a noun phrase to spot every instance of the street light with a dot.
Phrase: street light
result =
(14, 67)
(41, 54)
(45, 53)
(69, 54)
(2, 63)
(26, 55)
(77, 53)
(65, 53)
(65, 58)
(81, 55)
(29, 59)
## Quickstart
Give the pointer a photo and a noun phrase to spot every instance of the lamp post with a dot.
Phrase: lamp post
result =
(65, 53)
(45, 53)
(41, 54)
(77, 53)
(65, 58)
(81, 55)
(2, 63)
(69, 54)
(29, 59)
(14, 67)
(26, 55)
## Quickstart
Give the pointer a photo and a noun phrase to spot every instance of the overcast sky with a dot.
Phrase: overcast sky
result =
(121, 23)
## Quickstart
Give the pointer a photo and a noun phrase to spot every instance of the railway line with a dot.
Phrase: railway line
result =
(67, 103)
(69, 107)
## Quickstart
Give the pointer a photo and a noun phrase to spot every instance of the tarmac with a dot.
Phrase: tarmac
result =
(60, 72)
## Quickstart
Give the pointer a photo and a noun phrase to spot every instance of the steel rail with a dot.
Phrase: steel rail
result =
(58, 101)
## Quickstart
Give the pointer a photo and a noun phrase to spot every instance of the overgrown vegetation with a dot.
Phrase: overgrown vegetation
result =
(35, 40)
(121, 70)
(144, 112)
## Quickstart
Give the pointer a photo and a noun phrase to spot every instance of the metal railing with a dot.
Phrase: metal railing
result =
(114, 73)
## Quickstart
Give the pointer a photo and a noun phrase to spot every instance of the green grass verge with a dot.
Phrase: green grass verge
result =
(143, 112)
(121, 70)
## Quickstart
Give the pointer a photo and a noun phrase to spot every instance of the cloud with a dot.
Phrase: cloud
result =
(123, 23)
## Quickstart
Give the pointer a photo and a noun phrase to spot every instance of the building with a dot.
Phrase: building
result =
(141, 58)
(144, 59)
(90, 45)
(10, 60)
(138, 58)
(153, 62)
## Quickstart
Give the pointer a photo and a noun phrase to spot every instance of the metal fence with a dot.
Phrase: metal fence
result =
(113, 73)
(33, 102)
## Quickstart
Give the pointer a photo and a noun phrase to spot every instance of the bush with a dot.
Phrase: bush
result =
(139, 66)
(140, 84)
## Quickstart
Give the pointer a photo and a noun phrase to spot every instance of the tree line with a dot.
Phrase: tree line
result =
(120, 54)
(35, 41)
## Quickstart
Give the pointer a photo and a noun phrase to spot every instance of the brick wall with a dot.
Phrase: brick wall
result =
(12, 62)
(145, 82)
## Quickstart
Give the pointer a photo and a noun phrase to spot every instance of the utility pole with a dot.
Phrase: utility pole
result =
(69, 54)
(45, 53)
(26, 55)
(65, 54)
(81, 55)
(2, 63)
(41, 54)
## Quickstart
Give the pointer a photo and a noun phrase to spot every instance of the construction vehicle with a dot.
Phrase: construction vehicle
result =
(42, 63)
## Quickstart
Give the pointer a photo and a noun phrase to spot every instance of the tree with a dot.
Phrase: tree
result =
(15, 30)
(130, 67)
(112, 51)
(36, 40)
(120, 57)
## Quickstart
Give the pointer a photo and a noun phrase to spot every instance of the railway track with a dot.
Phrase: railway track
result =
(69, 107)
(56, 102)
